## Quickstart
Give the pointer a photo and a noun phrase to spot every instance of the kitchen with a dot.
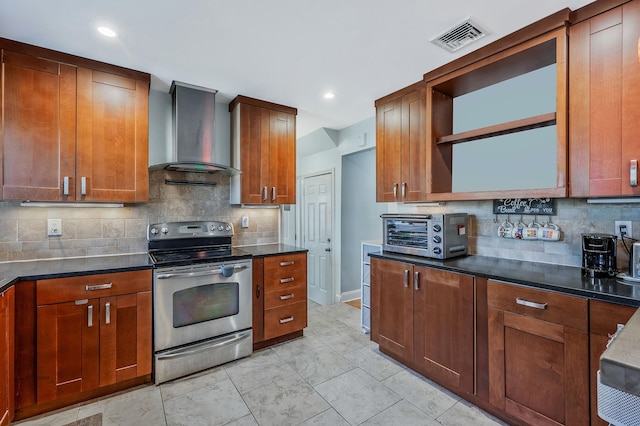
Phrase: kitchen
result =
(112, 231)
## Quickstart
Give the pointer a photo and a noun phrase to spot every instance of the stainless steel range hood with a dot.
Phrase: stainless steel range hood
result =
(193, 146)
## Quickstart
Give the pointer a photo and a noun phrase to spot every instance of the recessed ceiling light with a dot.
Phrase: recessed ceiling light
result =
(329, 95)
(107, 32)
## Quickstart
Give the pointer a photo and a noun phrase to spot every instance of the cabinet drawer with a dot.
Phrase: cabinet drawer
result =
(285, 296)
(282, 265)
(59, 290)
(604, 317)
(285, 320)
(284, 280)
(557, 308)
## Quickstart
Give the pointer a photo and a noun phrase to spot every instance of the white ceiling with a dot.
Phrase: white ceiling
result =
(284, 51)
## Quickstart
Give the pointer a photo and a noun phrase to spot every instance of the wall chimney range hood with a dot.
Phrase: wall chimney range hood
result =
(194, 146)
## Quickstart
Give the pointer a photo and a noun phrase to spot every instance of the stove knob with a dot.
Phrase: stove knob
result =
(227, 228)
(154, 231)
(165, 230)
(220, 228)
(212, 228)
(437, 239)
(437, 228)
(437, 250)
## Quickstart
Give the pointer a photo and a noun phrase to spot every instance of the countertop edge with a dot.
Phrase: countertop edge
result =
(620, 362)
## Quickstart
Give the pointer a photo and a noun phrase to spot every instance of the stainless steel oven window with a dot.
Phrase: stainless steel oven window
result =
(205, 303)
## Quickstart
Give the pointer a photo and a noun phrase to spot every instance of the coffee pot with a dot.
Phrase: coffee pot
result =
(599, 255)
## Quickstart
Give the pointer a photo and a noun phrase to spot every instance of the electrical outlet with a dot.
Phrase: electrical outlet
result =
(627, 228)
(54, 227)
(245, 221)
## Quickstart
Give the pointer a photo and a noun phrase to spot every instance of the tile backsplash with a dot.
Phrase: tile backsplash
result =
(574, 217)
(103, 231)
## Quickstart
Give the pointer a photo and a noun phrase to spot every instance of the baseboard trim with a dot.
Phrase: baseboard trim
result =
(350, 295)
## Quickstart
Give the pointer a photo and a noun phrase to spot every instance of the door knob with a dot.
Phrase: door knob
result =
(327, 249)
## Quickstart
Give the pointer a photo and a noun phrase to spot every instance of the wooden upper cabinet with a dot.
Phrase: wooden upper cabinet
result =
(38, 128)
(112, 148)
(604, 101)
(264, 148)
(71, 132)
(401, 151)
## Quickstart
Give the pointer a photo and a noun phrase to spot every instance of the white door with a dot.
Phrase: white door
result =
(317, 217)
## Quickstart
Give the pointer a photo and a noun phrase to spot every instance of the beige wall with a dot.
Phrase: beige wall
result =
(102, 231)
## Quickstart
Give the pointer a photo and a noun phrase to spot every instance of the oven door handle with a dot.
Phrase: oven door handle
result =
(205, 346)
(198, 274)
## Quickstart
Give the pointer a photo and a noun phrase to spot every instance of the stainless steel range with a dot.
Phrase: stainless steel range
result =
(202, 297)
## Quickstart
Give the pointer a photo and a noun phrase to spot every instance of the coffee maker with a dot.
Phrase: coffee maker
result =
(599, 255)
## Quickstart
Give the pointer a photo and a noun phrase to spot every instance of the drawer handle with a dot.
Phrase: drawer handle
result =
(287, 296)
(287, 280)
(285, 320)
(98, 287)
(288, 263)
(531, 304)
(90, 316)
(107, 315)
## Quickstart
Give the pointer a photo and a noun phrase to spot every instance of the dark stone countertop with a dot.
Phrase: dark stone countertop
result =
(12, 272)
(271, 249)
(564, 279)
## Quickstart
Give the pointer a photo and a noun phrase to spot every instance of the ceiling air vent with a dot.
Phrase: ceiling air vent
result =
(459, 36)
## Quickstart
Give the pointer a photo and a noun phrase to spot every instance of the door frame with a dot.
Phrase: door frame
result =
(301, 225)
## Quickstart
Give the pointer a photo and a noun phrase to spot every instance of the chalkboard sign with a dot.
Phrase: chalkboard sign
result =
(540, 206)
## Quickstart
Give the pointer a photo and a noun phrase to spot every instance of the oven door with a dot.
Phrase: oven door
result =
(194, 303)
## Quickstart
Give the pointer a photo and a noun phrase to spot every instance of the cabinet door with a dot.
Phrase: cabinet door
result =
(394, 307)
(413, 182)
(125, 337)
(605, 88)
(388, 150)
(6, 355)
(112, 154)
(68, 348)
(443, 306)
(538, 368)
(38, 137)
(258, 300)
(282, 158)
(603, 322)
(254, 146)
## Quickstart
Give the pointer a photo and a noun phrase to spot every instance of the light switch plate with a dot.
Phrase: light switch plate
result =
(245, 221)
(54, 227)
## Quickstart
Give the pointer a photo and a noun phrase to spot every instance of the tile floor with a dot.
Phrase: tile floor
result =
(333, 376)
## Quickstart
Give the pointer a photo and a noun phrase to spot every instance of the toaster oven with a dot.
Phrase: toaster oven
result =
(438, 236)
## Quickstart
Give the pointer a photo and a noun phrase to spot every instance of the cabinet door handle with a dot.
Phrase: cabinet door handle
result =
(416, 280)
(395, 190)
(633, 173)
(98, 287)
(273, 193)
(90, 316)
(284, 320)
(264, 193)
(257, 292)
(288, 263)
(404, 189)
(287, 296)
(287, 280)
(83, 185)
(107, 314)
(406, 278)
(65, 185)
(531, 304)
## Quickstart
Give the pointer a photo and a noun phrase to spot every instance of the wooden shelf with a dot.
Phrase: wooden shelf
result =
(543, 120)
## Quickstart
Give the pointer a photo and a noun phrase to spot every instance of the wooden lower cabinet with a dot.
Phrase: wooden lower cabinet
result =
(7, 300)
(279, 298)
(92, 331)
(603, 322)
(424, 318)
(538, 355)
